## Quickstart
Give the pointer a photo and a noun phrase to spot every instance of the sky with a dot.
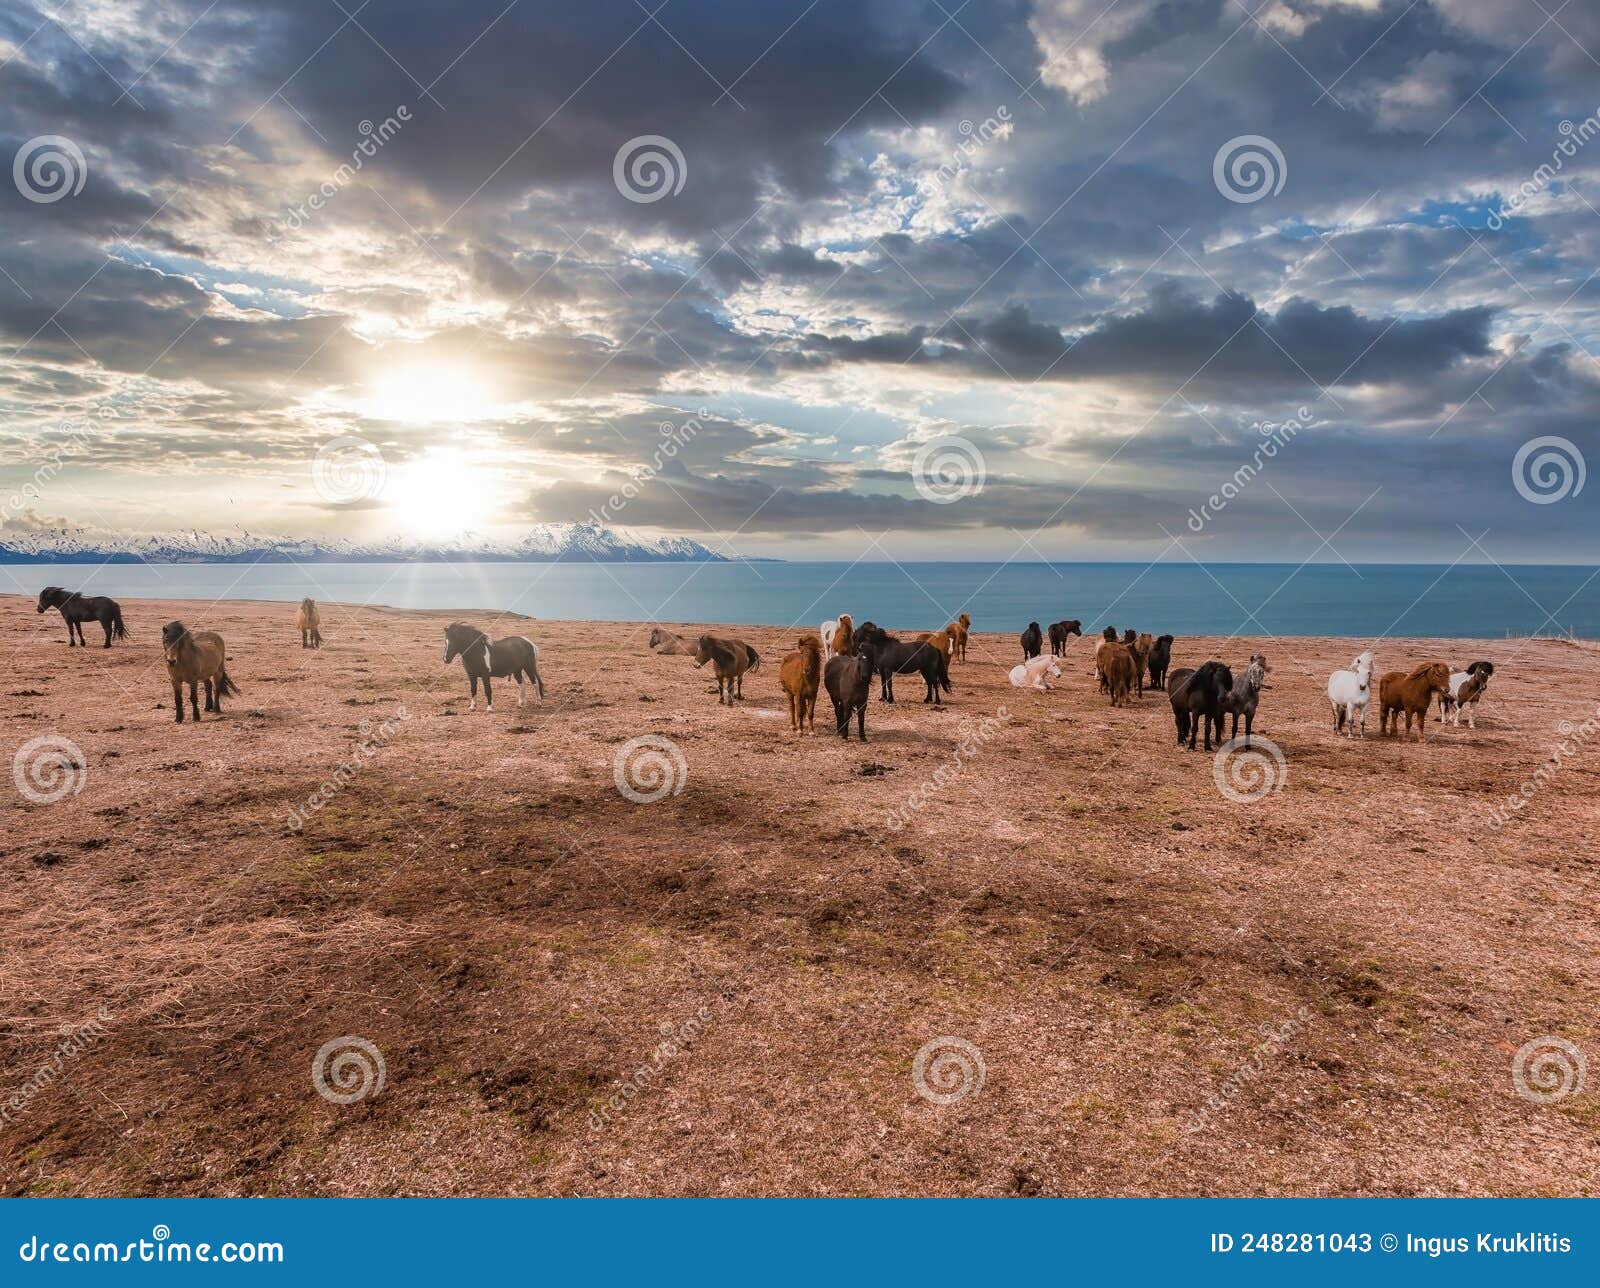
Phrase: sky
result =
(1075, 279)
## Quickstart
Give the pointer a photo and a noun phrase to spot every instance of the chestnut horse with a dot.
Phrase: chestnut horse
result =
(195, 657)
(1411, 693)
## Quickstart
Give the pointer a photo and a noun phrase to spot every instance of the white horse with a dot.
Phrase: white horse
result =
(1031, 674)
(828, 631)
(1349, 692)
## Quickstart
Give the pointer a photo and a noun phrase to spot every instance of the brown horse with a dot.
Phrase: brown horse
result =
(1411, 693)
(732, 659)
(309, 624)
(959, 629)
(800, 674)
(193, 657)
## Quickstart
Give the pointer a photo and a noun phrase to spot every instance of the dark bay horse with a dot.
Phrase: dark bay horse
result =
(516, 655)
(77, 609)
(194, 657)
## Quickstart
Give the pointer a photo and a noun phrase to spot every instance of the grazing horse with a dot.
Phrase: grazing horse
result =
(516, 655)
(849, 681)
(77, 609)
(1032, 641)
(1197, 698)
(1350, 692)
(799, 675)
(1245, 696)
(1160, 659)
(731, 659)
(1412, 693)
(195, 657)
(1118, 670)
(309, 624)
(895, 657)
(1060, 632)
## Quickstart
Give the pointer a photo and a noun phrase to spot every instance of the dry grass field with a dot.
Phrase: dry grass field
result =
(725, 991)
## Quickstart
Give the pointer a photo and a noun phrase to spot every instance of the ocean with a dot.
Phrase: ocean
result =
(1367, 601)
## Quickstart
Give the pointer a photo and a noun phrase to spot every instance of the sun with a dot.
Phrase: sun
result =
(443, 493)
(429, 394)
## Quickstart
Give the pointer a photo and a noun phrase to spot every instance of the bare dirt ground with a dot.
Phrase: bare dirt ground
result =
(724, 991)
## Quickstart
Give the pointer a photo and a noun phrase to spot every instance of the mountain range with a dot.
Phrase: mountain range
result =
(542, 543)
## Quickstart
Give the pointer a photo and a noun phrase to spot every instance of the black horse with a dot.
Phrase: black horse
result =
(1199, 696)
(1062, 631)
(1032, 641)
(894, 657)
(1159, 660)
(76, 609)
(516, 655)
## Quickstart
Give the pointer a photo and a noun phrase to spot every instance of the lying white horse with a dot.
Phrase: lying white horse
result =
(1031, 674)
(1348, 692)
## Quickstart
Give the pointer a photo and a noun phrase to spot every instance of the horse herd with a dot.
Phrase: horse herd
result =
(845, 658)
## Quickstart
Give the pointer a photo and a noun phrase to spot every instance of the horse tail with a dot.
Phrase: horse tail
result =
(755, 658)
(538, 680)
(226, 688)
(944, 673)
(117, 628)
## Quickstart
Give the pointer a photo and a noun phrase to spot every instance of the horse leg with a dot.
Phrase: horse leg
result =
(488, 695)
(861, 723)
(105, 623)
(194, 700)
(521, 676)
(473, 681)
(177, 700)
(211, 697)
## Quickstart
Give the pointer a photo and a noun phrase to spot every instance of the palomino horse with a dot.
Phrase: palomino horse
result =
(309, 624)
(515, 655)
(193, 657)
(76, 610)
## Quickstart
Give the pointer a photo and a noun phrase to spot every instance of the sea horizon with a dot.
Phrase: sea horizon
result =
(1366, 600)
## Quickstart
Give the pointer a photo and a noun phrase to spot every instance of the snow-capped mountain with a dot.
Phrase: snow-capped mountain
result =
(542, 543)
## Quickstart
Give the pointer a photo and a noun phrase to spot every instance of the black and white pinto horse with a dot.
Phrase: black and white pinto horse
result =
(516, 655)
(77, 609)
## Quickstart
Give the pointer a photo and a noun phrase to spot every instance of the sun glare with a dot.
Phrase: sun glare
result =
(442, 494)
(429, 395)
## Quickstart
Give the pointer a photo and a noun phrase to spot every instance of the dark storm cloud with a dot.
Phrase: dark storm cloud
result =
(1302, 345)
(1102, 322)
